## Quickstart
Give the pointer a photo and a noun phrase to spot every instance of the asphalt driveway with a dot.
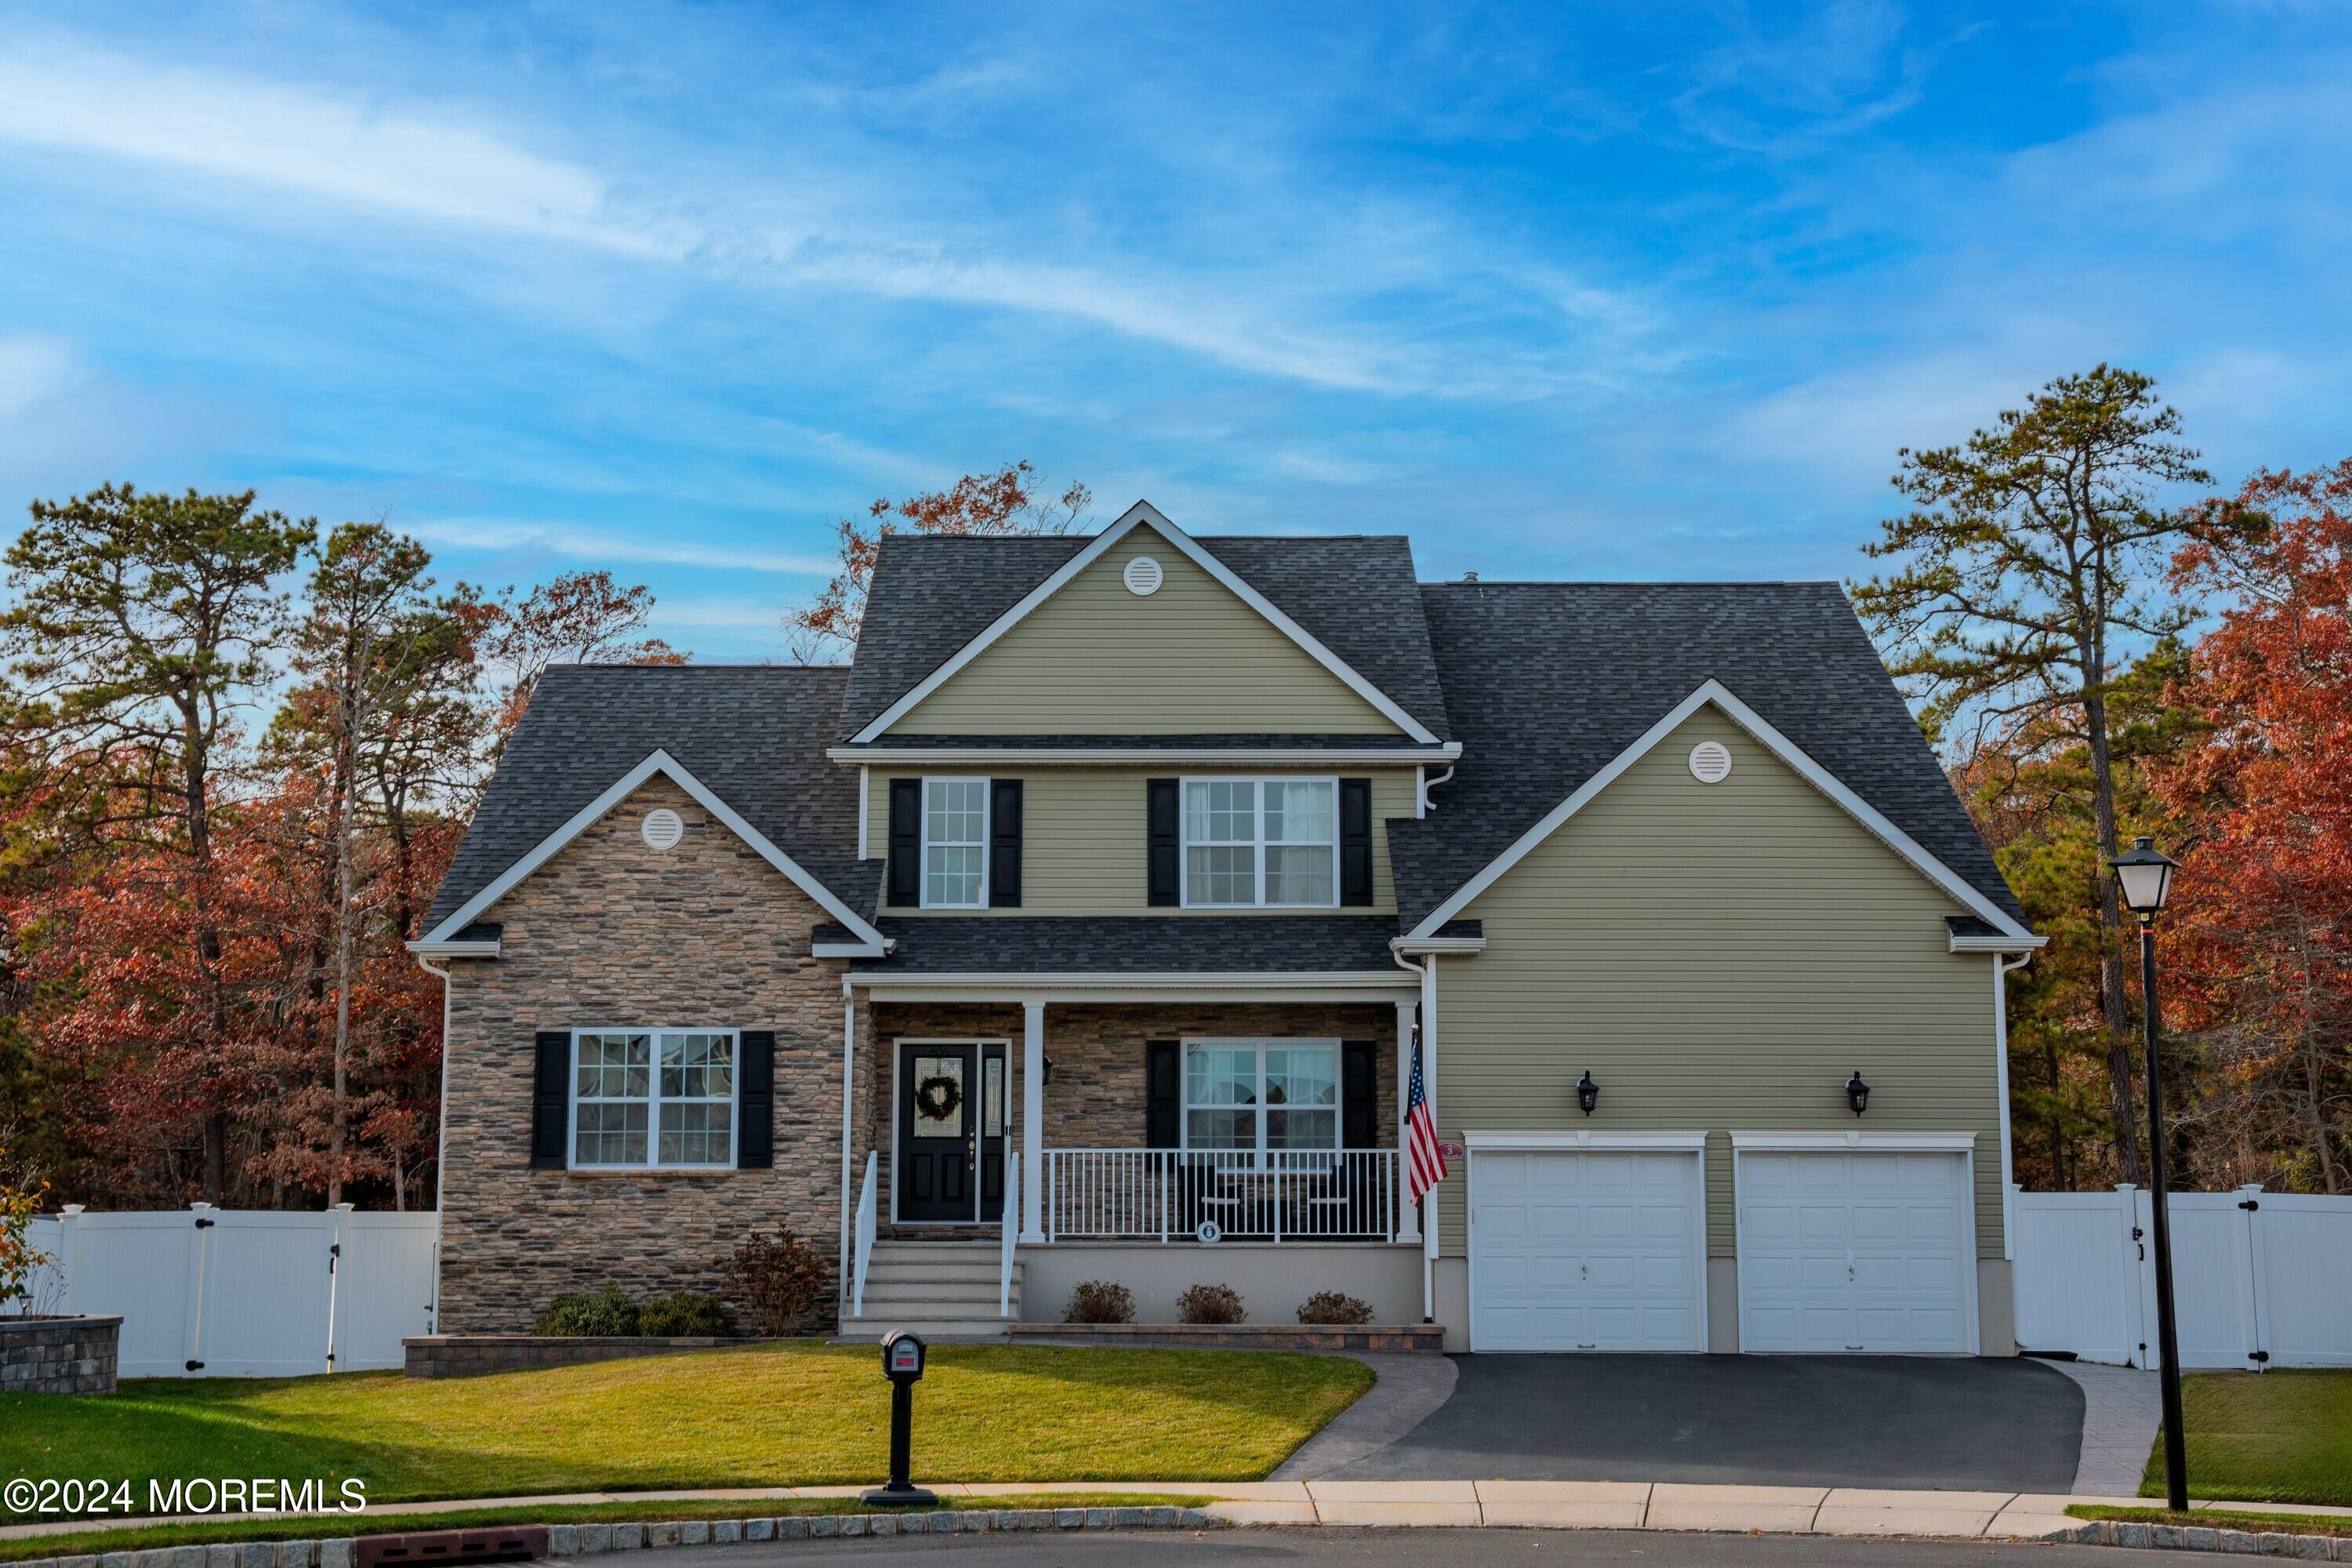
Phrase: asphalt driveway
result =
(1853, 1421)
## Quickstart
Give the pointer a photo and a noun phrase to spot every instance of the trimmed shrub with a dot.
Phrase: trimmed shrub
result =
(780, 1281)
(1100, 1301)
(597, 1314)
(1333, 1307)
(1211, 1304)
(684, 1314)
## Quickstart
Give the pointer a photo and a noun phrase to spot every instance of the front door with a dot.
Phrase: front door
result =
(951, 1160)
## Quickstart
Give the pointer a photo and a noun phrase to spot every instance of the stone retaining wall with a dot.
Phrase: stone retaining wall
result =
(1419, 1338)
(472, 1355)
(58, 1354)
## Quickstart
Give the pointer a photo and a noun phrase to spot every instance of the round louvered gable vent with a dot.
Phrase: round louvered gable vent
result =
(1143, 575)
(1710, 761)
(661, 828)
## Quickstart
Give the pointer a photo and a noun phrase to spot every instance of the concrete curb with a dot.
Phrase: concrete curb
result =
(569, 1541)
(2205, 1538)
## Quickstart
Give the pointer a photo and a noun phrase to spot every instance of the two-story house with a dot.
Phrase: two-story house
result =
(1103, 897)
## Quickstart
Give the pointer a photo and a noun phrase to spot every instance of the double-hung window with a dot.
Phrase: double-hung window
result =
(1261, 1096)
(653, 1099)
(1251, 843)
(955, 844)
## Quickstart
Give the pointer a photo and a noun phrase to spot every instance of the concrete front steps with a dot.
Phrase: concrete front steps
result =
(939, 1290)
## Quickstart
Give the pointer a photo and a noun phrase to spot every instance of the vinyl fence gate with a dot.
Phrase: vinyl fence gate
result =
(2259, 1279)
(208, 1292)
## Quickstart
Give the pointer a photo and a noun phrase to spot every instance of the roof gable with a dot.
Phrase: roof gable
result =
(1348, 604)
(1189, 658)
(1713, 694)
(659, 763)
(753, 735)
(1546, 683)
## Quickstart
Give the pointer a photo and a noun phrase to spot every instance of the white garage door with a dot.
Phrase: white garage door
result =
(1589, 1250)
(1853, 1252)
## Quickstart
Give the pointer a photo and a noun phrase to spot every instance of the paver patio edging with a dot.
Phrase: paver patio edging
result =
(568, 1541)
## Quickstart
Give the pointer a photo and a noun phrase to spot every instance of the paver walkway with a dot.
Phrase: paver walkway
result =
(1410, 1390)
(2122, 1409)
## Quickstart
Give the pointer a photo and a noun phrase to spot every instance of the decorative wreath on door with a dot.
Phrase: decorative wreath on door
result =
(937, 1096)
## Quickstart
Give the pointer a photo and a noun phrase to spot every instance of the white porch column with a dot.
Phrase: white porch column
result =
(1408, 1214)
(1033, 1121)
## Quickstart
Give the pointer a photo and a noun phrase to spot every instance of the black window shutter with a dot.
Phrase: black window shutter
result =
(755, 1076)
(1004, 844)
(906, 841)
(550, 1095)
(1163, 1105)
(1354, 841)
(1160, 828)
(1360, 1103)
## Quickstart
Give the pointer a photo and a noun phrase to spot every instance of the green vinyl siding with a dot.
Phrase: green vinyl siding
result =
(1189, 660)
(1083, 840)
(1720, 957)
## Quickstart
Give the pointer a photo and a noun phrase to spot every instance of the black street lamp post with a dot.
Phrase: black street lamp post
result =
(2144, 877)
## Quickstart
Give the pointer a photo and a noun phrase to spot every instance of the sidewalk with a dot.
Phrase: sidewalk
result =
(1590, 1505)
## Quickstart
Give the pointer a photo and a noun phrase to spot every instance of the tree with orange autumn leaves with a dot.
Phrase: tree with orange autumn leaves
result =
(204, 991)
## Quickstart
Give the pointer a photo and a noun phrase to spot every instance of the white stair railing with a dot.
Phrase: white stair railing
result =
(864, 1234)
(1010, 1238)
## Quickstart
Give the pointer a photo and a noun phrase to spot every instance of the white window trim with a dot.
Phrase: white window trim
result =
(1184, 840)
(1842, 1141)
(987, 831)
(653, 1097)
(1260, 1042)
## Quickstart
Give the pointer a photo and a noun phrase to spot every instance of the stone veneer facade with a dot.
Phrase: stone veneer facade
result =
(57, 1354)
(612, 933)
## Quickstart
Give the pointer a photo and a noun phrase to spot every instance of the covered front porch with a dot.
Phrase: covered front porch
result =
(1093, 1124)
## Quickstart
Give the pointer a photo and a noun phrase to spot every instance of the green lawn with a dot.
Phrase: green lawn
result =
(78, 1543)
(780, 1415)
(2279, 1436)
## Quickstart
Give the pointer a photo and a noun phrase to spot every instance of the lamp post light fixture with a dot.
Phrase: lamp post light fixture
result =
(2144, 879)
(1857, 1093)
(1588, 1093)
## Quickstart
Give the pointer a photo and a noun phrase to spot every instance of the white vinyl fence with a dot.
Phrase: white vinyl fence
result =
(208, 1292)
(2259, 1278)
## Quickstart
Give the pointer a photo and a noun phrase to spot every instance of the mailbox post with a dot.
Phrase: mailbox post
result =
(902, 1363)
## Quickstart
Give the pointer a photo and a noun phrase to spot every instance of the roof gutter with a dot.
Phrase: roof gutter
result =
(451, 948)
(1996, 942)
(1400, 946)
(1150, 756)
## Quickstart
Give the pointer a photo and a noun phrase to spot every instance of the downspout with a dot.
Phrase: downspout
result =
(441, 1147)
(1427, 805)
(1427, 970)
(848, 1099)
(2001, 966)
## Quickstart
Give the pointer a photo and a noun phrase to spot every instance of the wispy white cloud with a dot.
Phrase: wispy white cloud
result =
(436, 163)
(669, 547)
(34, 368)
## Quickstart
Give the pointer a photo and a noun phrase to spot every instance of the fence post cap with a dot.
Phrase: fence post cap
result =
(70, 1209)
(345, 1208)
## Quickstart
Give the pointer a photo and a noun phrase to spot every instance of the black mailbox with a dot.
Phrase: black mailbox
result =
(902, 1357)
(902, 1363)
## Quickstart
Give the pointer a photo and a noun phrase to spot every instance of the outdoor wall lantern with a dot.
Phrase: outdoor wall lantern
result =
(1047, 1076)
(1857, 1093)
(1588, 1093)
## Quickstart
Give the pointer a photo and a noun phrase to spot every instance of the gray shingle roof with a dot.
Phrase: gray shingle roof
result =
(754, 733)
(1547, 681)
(930, 594)
(1139, 944)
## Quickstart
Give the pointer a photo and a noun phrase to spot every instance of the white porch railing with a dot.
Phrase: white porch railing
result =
(1166, 1194)
(865, 1234)
(1008, 1237)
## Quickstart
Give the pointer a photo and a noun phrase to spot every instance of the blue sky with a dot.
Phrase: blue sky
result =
(1620, 292)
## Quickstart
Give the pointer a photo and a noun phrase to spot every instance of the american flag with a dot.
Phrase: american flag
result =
(1424, 1165)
